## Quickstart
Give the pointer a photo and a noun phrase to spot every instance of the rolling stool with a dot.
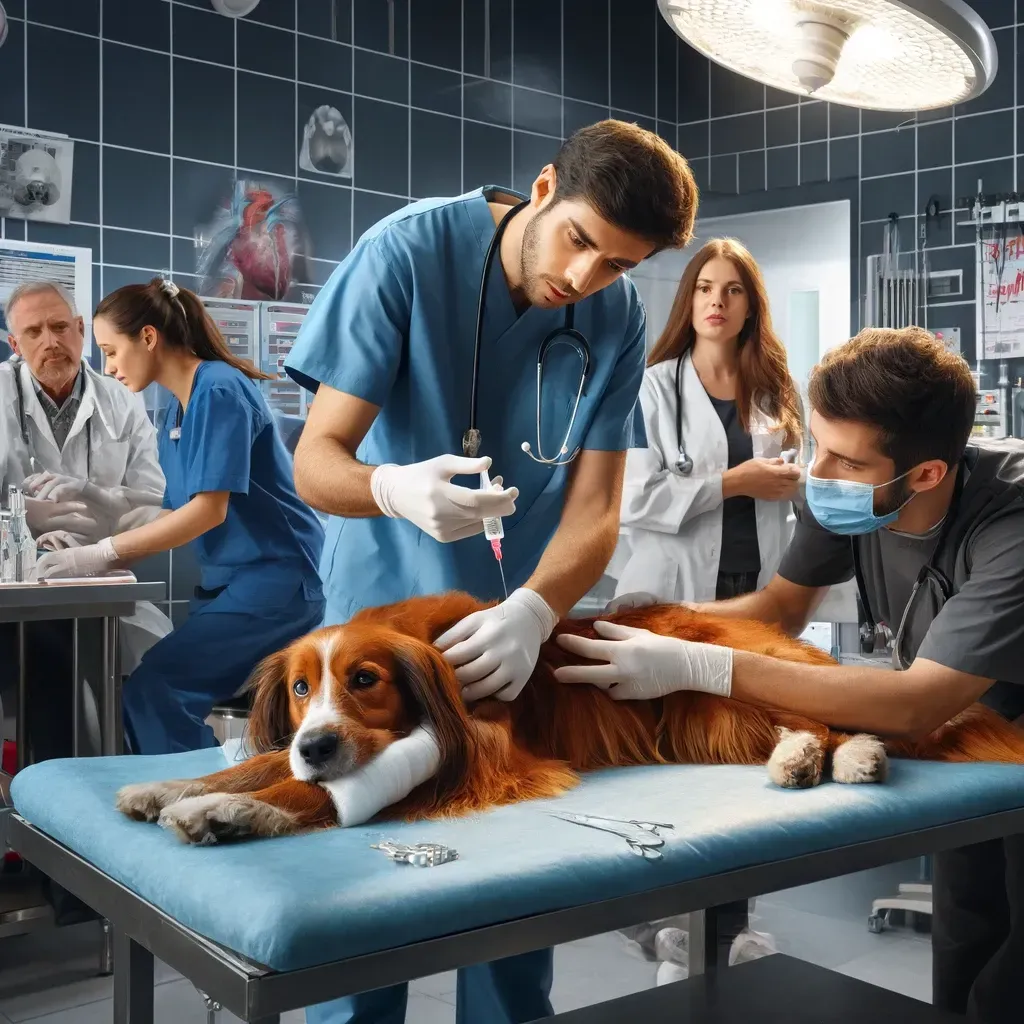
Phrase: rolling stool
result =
(229, 717)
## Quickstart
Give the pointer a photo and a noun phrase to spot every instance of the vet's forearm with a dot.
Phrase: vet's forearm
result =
(329, 478)
(172, 529)
(855, 698)
(761, 605)
(574, 560)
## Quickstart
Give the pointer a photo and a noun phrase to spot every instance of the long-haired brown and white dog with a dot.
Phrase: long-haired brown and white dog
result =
(333, 699)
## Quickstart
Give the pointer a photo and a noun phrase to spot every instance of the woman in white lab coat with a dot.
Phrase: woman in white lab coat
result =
(707, 505)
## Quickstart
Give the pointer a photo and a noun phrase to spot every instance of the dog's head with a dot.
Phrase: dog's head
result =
(340, 695)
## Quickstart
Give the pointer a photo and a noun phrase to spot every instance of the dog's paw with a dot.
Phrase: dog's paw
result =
(143, 801)
(222, 817)
(861, 758)
(798, 760)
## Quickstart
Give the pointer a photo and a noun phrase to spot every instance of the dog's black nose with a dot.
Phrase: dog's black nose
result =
(319, 748)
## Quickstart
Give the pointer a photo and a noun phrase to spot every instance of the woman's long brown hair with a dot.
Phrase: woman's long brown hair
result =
(764, 378)
(181, 319)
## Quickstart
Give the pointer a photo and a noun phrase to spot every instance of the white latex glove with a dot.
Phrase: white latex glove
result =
(113, 502)
(72, 516)
(637, 599)
(643, 665)
(391, 776)
(57, 540)
(424, 494)
(90, 560)
(494, 651)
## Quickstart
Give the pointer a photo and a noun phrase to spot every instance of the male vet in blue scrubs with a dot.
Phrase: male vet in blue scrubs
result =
(389, 349)
(230, 493)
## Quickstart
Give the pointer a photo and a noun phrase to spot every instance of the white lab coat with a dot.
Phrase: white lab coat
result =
(671, 538)
(123, 454)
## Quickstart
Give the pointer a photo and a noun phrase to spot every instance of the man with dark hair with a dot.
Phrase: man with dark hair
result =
(930, 522)
(486, 332)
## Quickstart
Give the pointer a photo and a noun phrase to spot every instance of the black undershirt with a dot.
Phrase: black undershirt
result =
(740, 552)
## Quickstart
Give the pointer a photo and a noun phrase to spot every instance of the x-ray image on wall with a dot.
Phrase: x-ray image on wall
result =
(327, 143)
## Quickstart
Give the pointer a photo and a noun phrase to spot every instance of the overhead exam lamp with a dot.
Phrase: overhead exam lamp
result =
(234, 8)
(875, 54)
(3, 25)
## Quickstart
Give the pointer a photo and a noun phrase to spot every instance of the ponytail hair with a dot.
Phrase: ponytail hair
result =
(178, 315)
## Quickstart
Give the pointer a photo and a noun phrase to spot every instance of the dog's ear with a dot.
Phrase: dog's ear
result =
(432, 692)
(269, 727)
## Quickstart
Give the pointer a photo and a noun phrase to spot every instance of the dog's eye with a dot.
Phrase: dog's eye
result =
(300, 688)
(363, 679)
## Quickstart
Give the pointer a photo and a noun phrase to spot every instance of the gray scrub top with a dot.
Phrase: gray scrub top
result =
(979, 630)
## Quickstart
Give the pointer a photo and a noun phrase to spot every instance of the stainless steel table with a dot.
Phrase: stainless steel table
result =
(35, 602)
(21, 908)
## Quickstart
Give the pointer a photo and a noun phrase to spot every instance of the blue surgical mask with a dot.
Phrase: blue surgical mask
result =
(848, 506)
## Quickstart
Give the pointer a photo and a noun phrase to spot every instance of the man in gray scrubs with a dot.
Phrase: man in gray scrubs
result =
(898, 494)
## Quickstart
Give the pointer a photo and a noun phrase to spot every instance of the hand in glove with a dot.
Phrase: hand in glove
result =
(71, 516)
(391, 776)
(57, 540)
(111, 502)
(636, 599)
(494, 651)
(424, 494)
(642, 665)
(90, 560)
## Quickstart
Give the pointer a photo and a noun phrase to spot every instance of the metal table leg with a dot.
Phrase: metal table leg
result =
(76, 690)
(133, 981)
(113, 728)
(21, 735)
(700, 951)
(106, 949)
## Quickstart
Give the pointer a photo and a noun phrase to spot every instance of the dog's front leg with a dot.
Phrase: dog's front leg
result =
(144, 801)
(283, 808)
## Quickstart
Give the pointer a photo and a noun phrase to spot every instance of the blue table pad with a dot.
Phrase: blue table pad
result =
(299, 901)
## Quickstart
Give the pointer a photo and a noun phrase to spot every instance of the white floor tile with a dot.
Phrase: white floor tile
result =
(901, 964)
(437, 986)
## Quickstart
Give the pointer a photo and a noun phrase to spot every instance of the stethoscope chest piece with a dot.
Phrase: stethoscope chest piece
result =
(684, 464)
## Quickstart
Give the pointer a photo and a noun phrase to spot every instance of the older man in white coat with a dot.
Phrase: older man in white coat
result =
(83, 449)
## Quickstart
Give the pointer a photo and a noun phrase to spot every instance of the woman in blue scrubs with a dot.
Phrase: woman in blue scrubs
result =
(229, 493)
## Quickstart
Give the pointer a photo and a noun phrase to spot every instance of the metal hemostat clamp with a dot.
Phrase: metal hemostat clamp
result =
(420, 855)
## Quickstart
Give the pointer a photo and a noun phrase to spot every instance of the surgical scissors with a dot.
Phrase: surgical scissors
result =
(641, 837)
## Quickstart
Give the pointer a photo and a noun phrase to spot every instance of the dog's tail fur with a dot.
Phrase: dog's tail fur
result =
(977, 734)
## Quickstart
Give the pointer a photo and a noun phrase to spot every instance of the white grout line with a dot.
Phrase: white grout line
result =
(99, 186)
(170, 145)
(352, 128)
(462, 89)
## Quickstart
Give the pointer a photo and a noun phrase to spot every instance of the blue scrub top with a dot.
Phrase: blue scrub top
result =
(395, 325)
(270, 538)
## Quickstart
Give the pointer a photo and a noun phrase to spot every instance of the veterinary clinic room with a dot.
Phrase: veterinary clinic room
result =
(511, 511)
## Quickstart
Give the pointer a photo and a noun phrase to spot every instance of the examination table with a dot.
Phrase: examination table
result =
(270, 925)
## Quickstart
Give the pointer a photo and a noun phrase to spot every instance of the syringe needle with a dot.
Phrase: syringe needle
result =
(504, 585)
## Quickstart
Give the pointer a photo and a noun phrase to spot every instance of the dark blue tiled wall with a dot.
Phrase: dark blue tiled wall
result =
(169, 101)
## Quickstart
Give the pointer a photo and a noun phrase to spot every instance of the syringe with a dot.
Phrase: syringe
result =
(494, 531)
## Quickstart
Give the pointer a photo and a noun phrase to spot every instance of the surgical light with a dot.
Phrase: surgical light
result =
(3, 25)
(875, 54)
(234, 8)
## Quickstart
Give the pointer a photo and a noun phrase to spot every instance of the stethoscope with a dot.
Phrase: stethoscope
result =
(931, 582)
(565, 335)
(23, 423)
(684, 464)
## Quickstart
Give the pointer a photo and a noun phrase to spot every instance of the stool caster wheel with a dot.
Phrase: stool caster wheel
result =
(877, 923)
